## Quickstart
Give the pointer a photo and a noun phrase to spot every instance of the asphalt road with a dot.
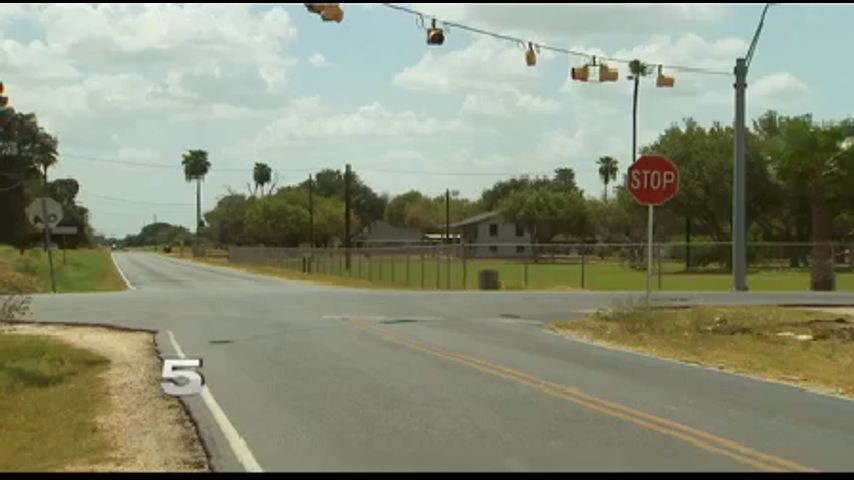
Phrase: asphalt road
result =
(327, 378)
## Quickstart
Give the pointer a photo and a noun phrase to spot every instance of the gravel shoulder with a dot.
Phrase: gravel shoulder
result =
(148, 430)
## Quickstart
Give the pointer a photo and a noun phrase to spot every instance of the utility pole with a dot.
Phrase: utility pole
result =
(447, 216)
(739, 196)
(154, 230)
(311, 211)
(347, 205)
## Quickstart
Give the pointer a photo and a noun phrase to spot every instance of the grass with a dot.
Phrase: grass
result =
(739, 339)
(82, 270)
(50, 394)
(415, 272)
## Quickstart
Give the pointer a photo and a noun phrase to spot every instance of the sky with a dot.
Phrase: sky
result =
(128, 88)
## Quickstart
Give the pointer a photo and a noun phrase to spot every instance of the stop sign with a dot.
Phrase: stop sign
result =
(653, 180)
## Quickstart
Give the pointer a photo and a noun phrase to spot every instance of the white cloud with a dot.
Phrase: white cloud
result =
(777, 87)
(227, 54)
(318, 60)
(308, 119)
(496, 93)
(545, 21)
(484, 65)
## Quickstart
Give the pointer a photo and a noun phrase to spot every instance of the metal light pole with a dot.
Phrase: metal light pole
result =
(739, 200)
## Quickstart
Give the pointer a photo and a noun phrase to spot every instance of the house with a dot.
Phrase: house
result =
(487, 235)
(382, 234)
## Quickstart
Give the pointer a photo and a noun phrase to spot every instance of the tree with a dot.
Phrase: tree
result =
(64, 190)
(546, 212)
(637, 70)
(227, 219)
(196, 166)
(817, 159)
(273, 221)
(607, 172)
(261, 175)
(395, 211)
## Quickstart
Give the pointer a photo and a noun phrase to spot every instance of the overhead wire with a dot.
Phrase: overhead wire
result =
(543, 46)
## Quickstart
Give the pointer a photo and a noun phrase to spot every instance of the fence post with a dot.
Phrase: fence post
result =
(393, 265)
(658, 250)
(447, 268)
(525, 264)
(370, 268)
(463, 256)
(583, 258)
(438, 268)
(423, 264)
(407, 269)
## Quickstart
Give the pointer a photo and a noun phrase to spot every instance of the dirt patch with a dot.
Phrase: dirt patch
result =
(149, 431)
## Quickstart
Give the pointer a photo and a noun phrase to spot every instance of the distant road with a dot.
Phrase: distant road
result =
(329, 378)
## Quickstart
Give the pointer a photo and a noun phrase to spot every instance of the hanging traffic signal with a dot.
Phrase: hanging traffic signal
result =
(530, 55)
(332, 13)
(663, 80)
(435, 35)
(3, 99)
(608, 74)
(315, 7)
(580, 74)
(329, 12)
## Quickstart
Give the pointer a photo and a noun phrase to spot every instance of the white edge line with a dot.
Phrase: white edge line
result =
(803, 388)
(235, 441)
(119, 269)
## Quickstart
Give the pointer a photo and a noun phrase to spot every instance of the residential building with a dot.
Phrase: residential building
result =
(486, 235)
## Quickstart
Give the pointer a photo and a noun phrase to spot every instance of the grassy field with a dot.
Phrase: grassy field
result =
(795, 345)
(426, 272)
(50, 394)
(84, 270)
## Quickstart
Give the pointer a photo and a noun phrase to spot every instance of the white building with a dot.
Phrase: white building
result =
(487, 236)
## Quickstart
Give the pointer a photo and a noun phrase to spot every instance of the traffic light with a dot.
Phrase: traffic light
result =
(580, 73)
(663, 80)
(329, 12)
(435, 35)
(332, 13)
(4, 101)
(530, 55)
(608, 74)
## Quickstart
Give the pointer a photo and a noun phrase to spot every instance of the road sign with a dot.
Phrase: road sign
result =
(36, 213)
(72, 230)
(653, 180)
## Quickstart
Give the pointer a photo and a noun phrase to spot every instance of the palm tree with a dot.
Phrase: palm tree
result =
(261, 174)
(196, 166)
(607, 171)
(637, 69)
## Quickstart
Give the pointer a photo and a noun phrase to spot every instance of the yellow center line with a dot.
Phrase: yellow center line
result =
(698, 438)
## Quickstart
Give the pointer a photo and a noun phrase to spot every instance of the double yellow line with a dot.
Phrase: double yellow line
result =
(700, 439)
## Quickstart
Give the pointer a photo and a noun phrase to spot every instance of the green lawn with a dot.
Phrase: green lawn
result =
(84, 270)
(426, 272)
(50, 395)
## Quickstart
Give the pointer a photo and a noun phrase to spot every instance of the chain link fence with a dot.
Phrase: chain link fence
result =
(700, 266)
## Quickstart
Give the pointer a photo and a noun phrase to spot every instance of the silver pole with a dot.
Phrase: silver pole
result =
(739, 222)
(649, 252)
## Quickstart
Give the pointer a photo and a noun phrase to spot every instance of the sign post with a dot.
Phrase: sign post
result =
(652, 180)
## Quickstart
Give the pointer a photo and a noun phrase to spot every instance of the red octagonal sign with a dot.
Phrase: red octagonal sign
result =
(653, 179)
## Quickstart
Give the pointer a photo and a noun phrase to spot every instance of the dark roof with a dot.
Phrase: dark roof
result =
(475, 219)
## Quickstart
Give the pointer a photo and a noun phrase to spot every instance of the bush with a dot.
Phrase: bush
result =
(14, 303)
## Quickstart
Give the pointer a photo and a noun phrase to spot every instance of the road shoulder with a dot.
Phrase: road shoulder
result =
(147, 430)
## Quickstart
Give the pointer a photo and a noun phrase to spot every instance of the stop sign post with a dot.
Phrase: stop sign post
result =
(652, 180)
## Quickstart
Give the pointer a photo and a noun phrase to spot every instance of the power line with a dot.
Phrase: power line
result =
(137, 202)
(542, 46)
(167, 166)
